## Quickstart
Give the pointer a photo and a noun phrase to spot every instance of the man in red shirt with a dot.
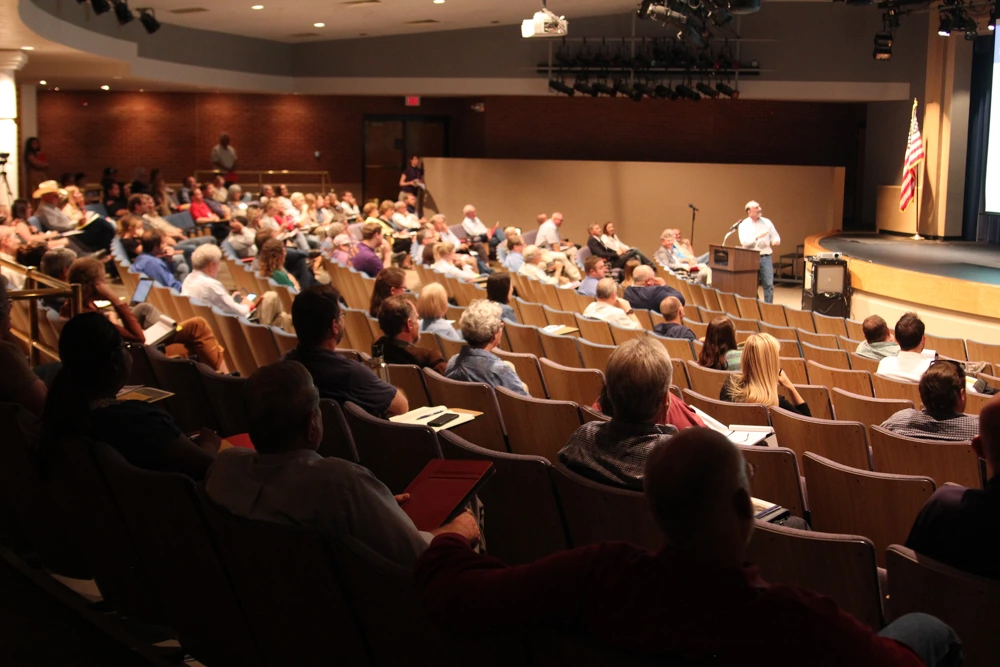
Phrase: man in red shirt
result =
(199, 209)
(695, 599)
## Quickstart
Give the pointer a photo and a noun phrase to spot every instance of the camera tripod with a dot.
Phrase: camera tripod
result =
(5, 182)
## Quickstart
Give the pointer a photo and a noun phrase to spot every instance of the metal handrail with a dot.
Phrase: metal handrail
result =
(267, 176)
(31, 293)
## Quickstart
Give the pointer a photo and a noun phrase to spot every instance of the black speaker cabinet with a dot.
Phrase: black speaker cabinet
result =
(827, 288)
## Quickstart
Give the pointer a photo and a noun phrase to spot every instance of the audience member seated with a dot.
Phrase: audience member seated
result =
(152, 261)
(957, 526)
(610, 241)
(445, 235)
(627, 280)
(598, 249)
(20, 211)
(942, 391)
(759, 377)
(648, 291)
(502, 247)
(242, 237)
(423, 239)
(673, 313)
(446, 262)
(143, 206)
(271, 261)
(637, 395)
(400, 324)
(479, 234)
(515, 254)
(184, 194)
(500, 289)
(695, 601)
(555, 249)
(482, 329)
(18, 384)
(534, 267)
(9, 243)
(200, 210)
(286, 481)
(83, 402)
(115, 200)
(910, 363)
(432, 306)
(193, 337)
(373, 253)
(879, 341)
(55, 264)
(203, 283)
(667, 256)
(349, 207)
(720, 351)
(389, 282)
(319, 324)
(595, 269)
(95, 236)
(610, 308)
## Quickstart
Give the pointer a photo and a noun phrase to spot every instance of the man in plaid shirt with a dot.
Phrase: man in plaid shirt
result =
(942, 391)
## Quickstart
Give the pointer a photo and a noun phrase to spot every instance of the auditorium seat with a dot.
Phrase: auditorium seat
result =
(865, 409)
(589, 414)
(182, 305)
(527, 368)
(225, 395)
(706, 381)
(856, 382)
(700, 329)
(860, 363)
(818, 398)
(410, 379)
(561, 317)
(537, 427)
(781, 333)
(597, 512)
(337, 439)
(746, 325)
(772, 313)
(695, 313)
(531, 314)
(430, 341)
(623, 335)
(374, 327)
(826, 341)
(800, 319)
(568, 302)
(727, 413)
(582, 386)
(142, 372)
(748, 307)
(825, 356)
(486, 430)
(967, 603)
(711, 296)
(285, 341)
(164, 519)
(842, 441)
(879, 506)
(561, 349)
(190, 405)
(524, 339)
(727, 301)
(548, 294)
(454, 313)
(205, 312)
(953, 348)
(595, 331)
(684, 287)
(677, 348)
(834, 326)
(261, 341)
(941, 460)
(356, 324)
(855, 329)
(271, 563)
(525, 522)
(582, 300)
(776, 476)
(698, 295)
(353, 355)
(842, 567)
(974, 402)
(984, 352)
(645, 318)
(907, 391)
(236, 343)
(449, 347)
(595, 355)
(394, 453)
(680, 377)
(795, 369)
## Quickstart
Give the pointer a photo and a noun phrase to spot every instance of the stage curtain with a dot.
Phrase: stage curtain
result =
(979, 131)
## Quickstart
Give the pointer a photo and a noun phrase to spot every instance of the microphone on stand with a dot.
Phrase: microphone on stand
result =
(735, 225)
(693, 207)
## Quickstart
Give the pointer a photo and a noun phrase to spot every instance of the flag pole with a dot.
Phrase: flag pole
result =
(917, 189)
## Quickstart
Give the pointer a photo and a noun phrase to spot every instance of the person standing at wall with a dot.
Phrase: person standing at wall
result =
(224, 158)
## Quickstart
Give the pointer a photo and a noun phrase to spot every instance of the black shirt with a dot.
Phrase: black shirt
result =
(649, 298)
(600, 250)
(342, 379)
(728, 394)
(409, 174)
(961, 527)
(674, 330)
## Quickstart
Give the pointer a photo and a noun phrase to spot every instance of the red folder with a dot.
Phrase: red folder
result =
(442, 490)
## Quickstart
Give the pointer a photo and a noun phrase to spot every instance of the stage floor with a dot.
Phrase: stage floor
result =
(963, 260)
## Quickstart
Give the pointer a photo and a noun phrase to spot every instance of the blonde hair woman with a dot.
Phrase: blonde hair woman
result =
(445, 262)
(760, 375)
(432, 306)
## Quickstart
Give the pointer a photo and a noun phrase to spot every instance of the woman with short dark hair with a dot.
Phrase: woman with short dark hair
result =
(500, 289)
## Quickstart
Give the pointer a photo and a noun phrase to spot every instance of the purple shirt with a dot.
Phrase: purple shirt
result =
(367, 261)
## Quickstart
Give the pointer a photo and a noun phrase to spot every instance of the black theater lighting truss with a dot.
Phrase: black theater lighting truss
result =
(696, 21)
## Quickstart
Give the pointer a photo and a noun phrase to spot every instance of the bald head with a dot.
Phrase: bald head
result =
(642, 274)
(987, 443)
(607, 290)
(671, 309)
(697, 488)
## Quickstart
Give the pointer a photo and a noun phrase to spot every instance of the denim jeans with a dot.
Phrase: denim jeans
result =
(766, 273)
(933, 641)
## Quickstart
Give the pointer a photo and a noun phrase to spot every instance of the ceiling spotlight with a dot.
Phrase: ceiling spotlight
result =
(438, 2)
(945, 25)
(605, 89)
(31, 48)
(123, 13)
(581, 86)
(319, 25)
(105, 87)
(728, 90)
(706, 90)
(256, 6)
(147, 17)
(971, 28)
(686, 93)
(883, 46)
(43, 82)
(561, 87)
(100, 6)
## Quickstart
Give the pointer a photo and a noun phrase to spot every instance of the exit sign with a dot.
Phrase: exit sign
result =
(412, 100)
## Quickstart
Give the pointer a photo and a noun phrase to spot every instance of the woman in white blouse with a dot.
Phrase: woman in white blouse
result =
(610, 239)
(445, 262)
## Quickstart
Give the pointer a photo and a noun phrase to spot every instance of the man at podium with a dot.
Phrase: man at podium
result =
(758, 233)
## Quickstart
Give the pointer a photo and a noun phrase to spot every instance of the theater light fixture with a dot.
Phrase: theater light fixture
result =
(581, 86)
(883, 46)
(684, 92)
(605, 89)
(623, 88)
(147, 17)
(123, 13)
(728, 90)
(100, 6)
(644, 90)
(945, 25)
(664, 92)
(105, 87)
(706, 90)
(561, 87)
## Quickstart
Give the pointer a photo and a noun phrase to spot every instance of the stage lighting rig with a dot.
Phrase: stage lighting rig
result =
(561, 87)
(147, 17)
(581, 86)
(544, 24)
(683, 92)
(883, 46)
(602, 88)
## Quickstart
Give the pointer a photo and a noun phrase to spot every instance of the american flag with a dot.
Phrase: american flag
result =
(914, 154)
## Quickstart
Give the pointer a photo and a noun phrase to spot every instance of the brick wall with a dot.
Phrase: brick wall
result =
(176, 131)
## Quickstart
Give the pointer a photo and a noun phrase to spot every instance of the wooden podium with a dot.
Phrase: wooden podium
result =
(734, 269)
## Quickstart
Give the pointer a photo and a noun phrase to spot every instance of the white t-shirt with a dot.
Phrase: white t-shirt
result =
(905, 367)
(449, 269)
(209, 290)
(600, 310)
(474, 227)
(750, 230)
(548, 235)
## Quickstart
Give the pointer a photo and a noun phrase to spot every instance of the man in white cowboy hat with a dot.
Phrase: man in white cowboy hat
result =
(95, 236)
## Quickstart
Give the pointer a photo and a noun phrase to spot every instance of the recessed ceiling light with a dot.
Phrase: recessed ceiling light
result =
(438, 2)
(116, 77)
(57, 89)
(27, 48)
(319, 25)
(43, 82)
(105, 87)
(257, 7)
(141, 90)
